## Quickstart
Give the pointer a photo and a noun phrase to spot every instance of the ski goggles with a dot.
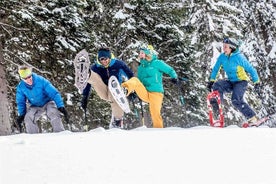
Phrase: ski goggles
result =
(103, 58)
(228, 41)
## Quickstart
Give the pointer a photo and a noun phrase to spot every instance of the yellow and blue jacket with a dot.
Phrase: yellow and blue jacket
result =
(236, 67)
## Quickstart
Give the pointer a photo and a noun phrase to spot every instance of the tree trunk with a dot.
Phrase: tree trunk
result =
(5, 126)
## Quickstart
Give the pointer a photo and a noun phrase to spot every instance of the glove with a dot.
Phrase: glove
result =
(210, 85)
(132, 96)
(84, 102)
(258, 89)
(65, 113)
(19, 122)
(174, 80)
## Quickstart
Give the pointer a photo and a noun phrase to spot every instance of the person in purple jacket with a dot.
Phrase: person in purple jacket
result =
(34, 96)
(104, 67)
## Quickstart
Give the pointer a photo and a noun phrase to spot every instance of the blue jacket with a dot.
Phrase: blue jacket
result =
(116, 67)
(38, 94)
(236, 66)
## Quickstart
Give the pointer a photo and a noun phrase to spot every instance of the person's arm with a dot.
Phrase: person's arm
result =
(21, 102)
(215, 70)
(167, 69)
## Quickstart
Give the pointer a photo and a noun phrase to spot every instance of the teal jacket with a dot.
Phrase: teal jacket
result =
(236, 66)
(150, 73)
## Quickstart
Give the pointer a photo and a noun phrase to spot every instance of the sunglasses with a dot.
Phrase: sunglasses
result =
(103, 58)
(26, 78)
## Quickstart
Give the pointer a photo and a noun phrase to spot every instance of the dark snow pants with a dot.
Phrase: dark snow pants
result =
(238, 89)
(34, 113)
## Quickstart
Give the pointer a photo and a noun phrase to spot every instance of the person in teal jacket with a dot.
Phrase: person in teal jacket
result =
(148, 84)
(236, 67)
(41, 96)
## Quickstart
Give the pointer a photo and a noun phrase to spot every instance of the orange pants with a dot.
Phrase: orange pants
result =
(154, 99)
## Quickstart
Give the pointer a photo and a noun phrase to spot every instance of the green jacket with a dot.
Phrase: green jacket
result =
(150, 74)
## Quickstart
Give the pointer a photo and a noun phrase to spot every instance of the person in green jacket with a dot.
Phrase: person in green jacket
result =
(148, 84)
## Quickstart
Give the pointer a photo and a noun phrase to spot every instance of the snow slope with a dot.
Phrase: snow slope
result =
(197, 155)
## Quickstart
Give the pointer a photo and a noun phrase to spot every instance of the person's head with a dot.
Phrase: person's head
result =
(104, 56)
(230, 45)
(147, 52)
(25, 73)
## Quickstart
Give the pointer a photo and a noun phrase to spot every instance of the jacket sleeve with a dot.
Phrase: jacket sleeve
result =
(215, 70)
(53, 93)
(249, 69)
(167, 69)
(20, 101)
(127, 70)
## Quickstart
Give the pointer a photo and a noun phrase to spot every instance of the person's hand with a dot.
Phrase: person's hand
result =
(210, 85)
(174, 80)
(258, 89)
(19, 122)
(132, 96)
(65, 113)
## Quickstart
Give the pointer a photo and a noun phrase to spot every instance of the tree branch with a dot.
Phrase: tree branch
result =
(7, 25)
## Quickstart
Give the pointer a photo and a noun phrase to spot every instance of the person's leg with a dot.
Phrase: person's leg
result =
(117, 112)
(102, 90)
(155, 105)
(54, 115)
(30, 120)
(239, 89)
(153, 98)
(222, 86)
(134, 84)
(100, 87)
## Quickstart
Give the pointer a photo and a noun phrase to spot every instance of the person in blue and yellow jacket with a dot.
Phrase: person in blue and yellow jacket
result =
(104, 67)
(41, 96)
(236, 67)
(148, 84)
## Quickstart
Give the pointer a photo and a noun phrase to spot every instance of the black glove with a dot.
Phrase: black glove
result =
(132, 96)
(174, 80)
(19, 122)
(84, 102)
(210, 85)
(258, 89)
(65, 113)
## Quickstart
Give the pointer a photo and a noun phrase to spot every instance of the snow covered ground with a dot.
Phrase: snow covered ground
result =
(197, 155)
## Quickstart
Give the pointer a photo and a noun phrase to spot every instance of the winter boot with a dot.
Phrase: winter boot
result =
(252, 121)
(117, 123)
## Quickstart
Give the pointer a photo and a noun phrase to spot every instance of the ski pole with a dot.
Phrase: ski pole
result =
(135, 109)
(181, 98)
(85, 118)
(180, 93)
(142, 113)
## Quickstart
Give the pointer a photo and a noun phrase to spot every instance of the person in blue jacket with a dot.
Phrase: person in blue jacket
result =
(104, 67)
(34, 96)
(236, 67)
